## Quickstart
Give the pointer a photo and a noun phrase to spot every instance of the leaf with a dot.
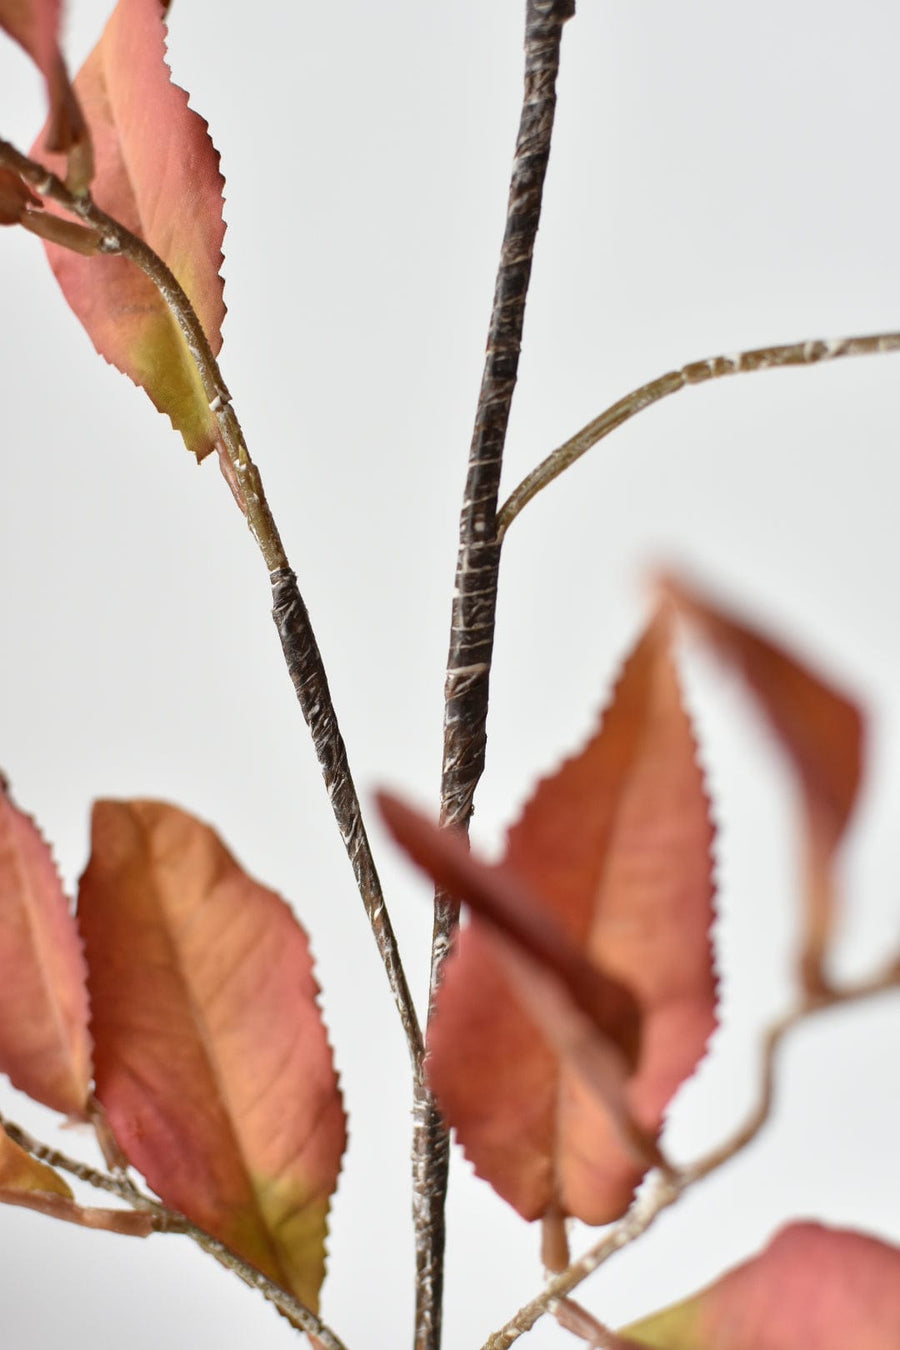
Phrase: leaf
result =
(616, 847)
(821, 731)
(212, 1061)
(25, 1181)
(34, 24)
(591, 1020)
(157, 174)
(20, 1172)
(44, 1043)
(812, 1287)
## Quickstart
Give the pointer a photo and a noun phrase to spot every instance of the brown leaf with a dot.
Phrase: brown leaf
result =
(213, 1064)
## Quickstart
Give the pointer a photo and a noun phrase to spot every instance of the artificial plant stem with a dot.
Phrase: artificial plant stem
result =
(664, 1190)
(307, 672)
(697, 372)
(298, 641)
(475, 595)
(169, 1221)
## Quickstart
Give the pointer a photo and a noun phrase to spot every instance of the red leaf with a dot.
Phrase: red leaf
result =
(616, 847)
(34, 24)
(212, 1060)
(591, 1021)
(157, 174)
(507, 909)
(812, 1287)
(820, 730)
(44, 1044)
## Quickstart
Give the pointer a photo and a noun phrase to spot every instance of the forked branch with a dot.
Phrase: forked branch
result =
(662, 1191)
(697, 372)
(167, 1220)
(298, 641)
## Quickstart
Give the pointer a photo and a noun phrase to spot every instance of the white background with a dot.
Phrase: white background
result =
(723, 176)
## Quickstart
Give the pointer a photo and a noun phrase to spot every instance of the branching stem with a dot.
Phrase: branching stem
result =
(662, 1191)
(169, 1221)
(301, 651)
(697, 372)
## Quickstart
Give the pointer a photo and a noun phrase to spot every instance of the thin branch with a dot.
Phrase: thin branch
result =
(170, 1221)
(880, 983)
(301, 652)
(572, 1317)
(661, 1191)
(698, 372)
(475, 595)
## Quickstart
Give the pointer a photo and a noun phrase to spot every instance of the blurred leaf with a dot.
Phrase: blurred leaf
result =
(820, 730)
(591, 1020)
(616, 848)
(158, 174)
(34, 24)
(213, 1064)
(44, 1044)
(813, 1288)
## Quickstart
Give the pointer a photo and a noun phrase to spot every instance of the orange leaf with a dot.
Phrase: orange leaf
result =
(616, 847)
(820, 730)
(812, 1287)
(19, 1172)
(44, 1044)
(507, 909)
(25, 1181)
(157, 174)
(591, 1021)
(34, 24)
(213, 1064)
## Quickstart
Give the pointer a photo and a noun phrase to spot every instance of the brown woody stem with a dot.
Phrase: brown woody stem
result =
(298, 641)
(475, 596)
(664, 1190)
(167, 1220)
(809, 353)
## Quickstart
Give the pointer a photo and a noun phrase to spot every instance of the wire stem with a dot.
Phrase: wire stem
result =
(662, 1191)
(697, 372)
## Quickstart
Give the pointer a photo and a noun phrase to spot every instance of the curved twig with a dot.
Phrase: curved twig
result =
(170, 1221)
(697, 372)
(662, 1191)
(301, 651)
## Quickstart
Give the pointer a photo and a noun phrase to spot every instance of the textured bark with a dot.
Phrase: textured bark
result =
(475, 596)
(307, 672)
